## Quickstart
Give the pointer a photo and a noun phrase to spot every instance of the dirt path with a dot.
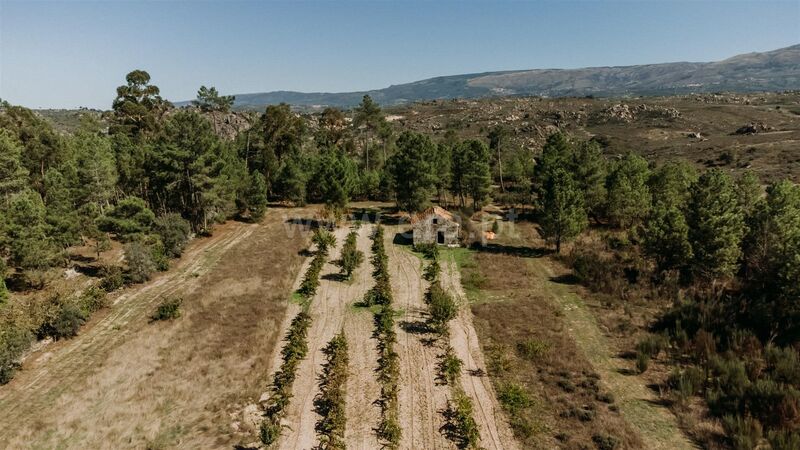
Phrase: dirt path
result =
(494, 430)
(124, 382)
(421, 399)
(657, 427)
(329, 308)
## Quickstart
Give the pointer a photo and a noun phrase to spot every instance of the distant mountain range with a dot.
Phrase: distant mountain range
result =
(776, 70)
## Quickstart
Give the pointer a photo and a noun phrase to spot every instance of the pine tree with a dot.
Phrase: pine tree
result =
(563, 215)
(716, 225)
(666, 237)
(589, 168)
(629, 197)
(13, 176)
(413, 171)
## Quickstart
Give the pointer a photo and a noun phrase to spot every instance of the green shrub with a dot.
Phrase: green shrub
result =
(112, 278)
(651, 345)
(687, 382)
(441, 306)
(174, 232)
(465, 428)
(270, 431)
(532, 349)
(330, 402)
(431, 272)
(514, 397)
(784, 440)
(351, 257)
(65, 324)
(642, 362)
(169, 309)
(310, 283)
(605, 441)
(324, 240)
(390, 431)
(93, 299)
(783, 364)
(743, 433)
(13, 343)
(139, 260)
(450, 366)
(430, 251)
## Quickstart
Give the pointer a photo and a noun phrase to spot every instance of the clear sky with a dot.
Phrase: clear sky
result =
(74, 53)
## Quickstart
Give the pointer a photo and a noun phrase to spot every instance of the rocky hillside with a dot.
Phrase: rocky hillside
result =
(776, 70)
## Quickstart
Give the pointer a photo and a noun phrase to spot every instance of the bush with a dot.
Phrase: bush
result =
(65, 324)
(351, 257)
(532, 349)
(514, 398)
(743, 433)
(130, 216)
(169, 309)
(688, 382)
(651, 345)
(431, 272)
(642, 362)
(174, 232)
(139, 260)
(605, 441)
(429, 251)
(324, 240)
(784, 440)
(270, 431)
(450, 366)
(13, 343)
(112, 278)
(464, 427)
(330, 402)
(442, 307)
(783, 364)
(93, 299)
(310, 283)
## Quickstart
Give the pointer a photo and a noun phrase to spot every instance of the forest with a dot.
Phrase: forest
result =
(720, 250)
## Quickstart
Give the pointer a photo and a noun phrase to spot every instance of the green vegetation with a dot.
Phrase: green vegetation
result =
(293, 352)
(351, 257)
(168, 309)
(330, 402)
(388, 364)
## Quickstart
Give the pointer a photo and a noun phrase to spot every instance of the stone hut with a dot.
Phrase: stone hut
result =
(435, 226)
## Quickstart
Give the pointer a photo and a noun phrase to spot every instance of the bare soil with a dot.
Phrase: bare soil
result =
(331, 311)
(422, 401)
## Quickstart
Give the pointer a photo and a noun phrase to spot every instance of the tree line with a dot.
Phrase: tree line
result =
(725, 249)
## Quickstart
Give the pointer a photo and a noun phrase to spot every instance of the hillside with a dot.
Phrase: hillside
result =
(776, 70)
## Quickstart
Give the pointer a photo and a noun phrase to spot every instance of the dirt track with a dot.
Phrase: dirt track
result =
(329, 308)
(422, 400)
(126, 383)
(493, 426)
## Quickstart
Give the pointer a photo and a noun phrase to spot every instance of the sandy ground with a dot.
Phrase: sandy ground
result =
(331, 311)
(422, 400)
(126, 383)
(492, 424)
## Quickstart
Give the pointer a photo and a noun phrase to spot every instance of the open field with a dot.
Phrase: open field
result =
(538, 335)
(127, 383)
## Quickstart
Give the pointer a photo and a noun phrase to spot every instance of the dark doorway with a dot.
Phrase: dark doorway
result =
(440, 237)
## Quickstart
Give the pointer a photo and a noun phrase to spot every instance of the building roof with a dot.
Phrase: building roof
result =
(437, 210)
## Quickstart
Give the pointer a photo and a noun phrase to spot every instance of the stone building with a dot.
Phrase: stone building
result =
(435, 226)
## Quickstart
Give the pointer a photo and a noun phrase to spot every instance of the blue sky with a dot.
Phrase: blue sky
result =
(75, 53)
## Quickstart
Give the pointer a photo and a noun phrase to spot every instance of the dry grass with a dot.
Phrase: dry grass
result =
(126, 383)
(566, 409)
